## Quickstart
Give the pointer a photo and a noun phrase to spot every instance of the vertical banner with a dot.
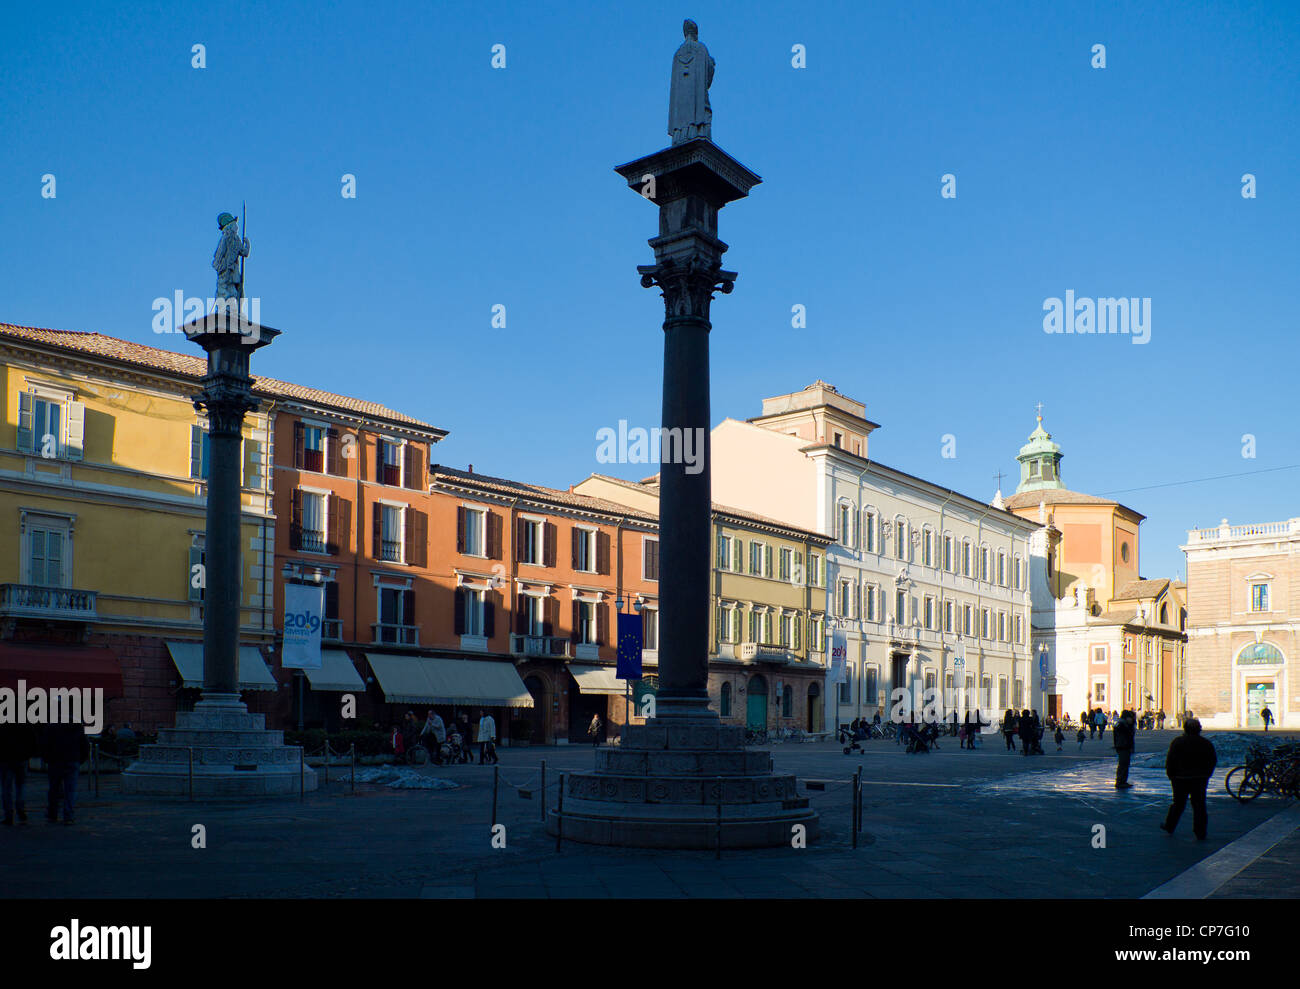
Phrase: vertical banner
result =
(304, 608)
(629, 647)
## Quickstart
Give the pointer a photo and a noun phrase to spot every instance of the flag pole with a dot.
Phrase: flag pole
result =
(243, 235)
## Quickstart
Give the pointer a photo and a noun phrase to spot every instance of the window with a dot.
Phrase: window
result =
(1020, 693)
(1164, 614)
(585, 612)
(738, 555)
(817, 635)
(787, 557)
(724, 701)
(755, 558)
(1015, 569)
(984, 563)
(787, 631)
(1123, 552)
(814, 570)
(1002, 569)
(1034, 466)
(530, 542)
(313, 448)
(474, 612)
(869, 603)
(200, 453)
(870, 687)
(929, 613)
(1259, 597)
(726, 625)
(475, 532)
(839, 439)
(844, 523)
(50, 424)
(1099, 692)
(650, 558)
(869, 531)
(1099, 654)
(947, 616)
(534, 615)
(650, 628)
(844, 599)
(984, 623)
(965, 559)
(947, 553)
(986, 690)
(724, 552)
(846, 686)
(389, 463)
(966, 619)
(396, 615)
(1128, 691)
(313, 536)
(391, 535)
(1020, 629)
(584, 542)
(47, 552)
(900, 538)
(927, 547)
(1002, 693)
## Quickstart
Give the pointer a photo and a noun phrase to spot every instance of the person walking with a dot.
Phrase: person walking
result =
(17, 745)
(1101, 723)
(593, 730)
(433, 734)
(1027, 731)
(1009, 729)
(65, 748)
(487, 736)
(1124, 738)
(1189, 764)
(1266, 716)
(1090, 716)
(1081, 735)
(1160, 719)
(1060, 738)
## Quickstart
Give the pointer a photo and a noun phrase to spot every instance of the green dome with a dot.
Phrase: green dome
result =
(1040, 462)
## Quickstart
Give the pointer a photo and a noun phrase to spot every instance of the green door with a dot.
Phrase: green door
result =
(756, 705)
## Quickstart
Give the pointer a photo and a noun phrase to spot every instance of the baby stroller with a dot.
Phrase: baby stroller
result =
(454, 749)
(920, 739)
(855, 738)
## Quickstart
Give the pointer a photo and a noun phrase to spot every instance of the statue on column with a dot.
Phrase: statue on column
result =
(228, 259)
(689, 113)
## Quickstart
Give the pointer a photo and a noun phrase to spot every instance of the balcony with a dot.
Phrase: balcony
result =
(331, 629)
(902, 632)
(763, 652)
(386, 633)
(48, 603)
(539, 645)
(1262, 530)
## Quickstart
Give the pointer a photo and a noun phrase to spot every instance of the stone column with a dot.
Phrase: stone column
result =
(689, 182)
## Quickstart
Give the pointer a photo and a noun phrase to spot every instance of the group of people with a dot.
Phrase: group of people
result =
(1027, 727)
(1189, 764)
(433, 735)
(63, 747)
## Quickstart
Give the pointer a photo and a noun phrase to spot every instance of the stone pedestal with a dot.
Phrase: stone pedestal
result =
(235, 756)
(662, 787)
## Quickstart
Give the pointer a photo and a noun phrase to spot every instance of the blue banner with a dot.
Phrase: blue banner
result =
(629, 647)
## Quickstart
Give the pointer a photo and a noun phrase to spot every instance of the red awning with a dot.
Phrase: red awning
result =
(49, 666)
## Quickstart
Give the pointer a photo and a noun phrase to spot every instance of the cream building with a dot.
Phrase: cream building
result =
(1243, 623)
(926, 587)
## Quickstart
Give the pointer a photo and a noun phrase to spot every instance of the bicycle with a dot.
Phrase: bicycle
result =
(1264, 771)
(756, 736)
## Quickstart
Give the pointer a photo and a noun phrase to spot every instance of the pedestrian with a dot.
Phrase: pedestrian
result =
(1009, 729)
(1266, 716)
(433, 734)
(1060, 738)
(1101, 723)
(1081, 735)
(1124, 738)
(593, 730)
(954, 722)
(1027, 731)
(17, 745)
(1189, 764)
(487, 736)
(1038, 734)
(399, 743)
(64, 749)
(1160, 719)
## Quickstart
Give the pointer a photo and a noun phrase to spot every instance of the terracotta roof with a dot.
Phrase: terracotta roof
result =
(1060, 496)
(520, 489)
(194, 367)
(1141, 589)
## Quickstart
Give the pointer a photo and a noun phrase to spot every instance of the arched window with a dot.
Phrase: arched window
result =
(1164, 614)
(1260, 654)
(787, 701)
(724, 704)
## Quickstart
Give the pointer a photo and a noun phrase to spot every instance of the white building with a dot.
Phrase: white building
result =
(926, 587)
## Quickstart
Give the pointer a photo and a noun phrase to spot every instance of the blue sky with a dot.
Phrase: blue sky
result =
(478, 187)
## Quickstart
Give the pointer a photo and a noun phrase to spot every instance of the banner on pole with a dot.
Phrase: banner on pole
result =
(839, 657)
(629, 647)
(304, 610)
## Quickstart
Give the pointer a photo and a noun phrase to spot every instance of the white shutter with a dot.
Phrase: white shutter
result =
(76, 431)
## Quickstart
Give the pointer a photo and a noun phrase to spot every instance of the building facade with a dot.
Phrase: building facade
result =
(926, 588)
(1243, 623)
(767, 641)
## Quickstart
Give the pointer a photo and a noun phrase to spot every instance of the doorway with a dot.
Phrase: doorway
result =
(537, 715)
(814, 707)
(756, 702)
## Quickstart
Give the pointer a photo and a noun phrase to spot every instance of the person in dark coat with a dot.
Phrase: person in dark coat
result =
(1091, 718)
(1028, 733)
(17, 745)
(1189, 765)
(1010, 725)
(1123, 738)
(65, 748)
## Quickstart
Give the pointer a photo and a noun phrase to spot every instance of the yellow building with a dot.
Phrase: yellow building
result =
(767, 644)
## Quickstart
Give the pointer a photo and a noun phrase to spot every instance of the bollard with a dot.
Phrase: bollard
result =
(354, 767)
(543, 800)
(718, 854)
(94, 766)
(853, 809)
(496, 777)
(859, 805)
(302, 773)
(327, 761)
(559, 815)
(191, 751)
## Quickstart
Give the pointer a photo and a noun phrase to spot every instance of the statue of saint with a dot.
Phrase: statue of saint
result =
(226, 261)
(689, 113)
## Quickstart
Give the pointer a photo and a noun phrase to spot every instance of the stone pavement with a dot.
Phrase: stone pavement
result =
(952, 823)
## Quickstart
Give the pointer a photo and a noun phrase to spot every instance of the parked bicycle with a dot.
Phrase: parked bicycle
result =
(755, 736)
(1275, 771)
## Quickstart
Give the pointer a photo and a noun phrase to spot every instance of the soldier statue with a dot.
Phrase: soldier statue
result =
(227, 259)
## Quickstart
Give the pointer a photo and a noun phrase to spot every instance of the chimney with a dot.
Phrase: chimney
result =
(471, 469)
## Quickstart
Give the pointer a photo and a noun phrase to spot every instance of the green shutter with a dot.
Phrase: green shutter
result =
(25, 415)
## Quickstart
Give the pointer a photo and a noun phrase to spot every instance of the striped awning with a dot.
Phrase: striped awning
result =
(597, 680)
(446, 680)
(336, 673)
(253, 671)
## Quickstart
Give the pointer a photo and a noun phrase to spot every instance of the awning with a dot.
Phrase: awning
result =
(336, 673)
(438, 680)
(253, 672)
(598, 679)
(50, 666)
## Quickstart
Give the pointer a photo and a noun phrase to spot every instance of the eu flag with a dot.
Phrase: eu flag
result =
(629, 647)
